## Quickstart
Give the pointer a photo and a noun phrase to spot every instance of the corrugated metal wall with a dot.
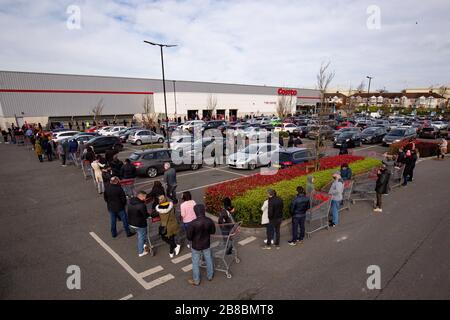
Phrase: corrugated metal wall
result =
(78, 104)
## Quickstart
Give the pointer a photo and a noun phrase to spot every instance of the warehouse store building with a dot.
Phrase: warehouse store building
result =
(42, 97)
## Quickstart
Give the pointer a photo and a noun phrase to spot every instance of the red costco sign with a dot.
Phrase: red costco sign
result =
(287, 92)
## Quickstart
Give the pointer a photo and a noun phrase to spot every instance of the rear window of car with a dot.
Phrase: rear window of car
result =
(284, 156)
(428, 129)
(134, 156)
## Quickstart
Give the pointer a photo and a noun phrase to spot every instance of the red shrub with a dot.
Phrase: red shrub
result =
(214, 195)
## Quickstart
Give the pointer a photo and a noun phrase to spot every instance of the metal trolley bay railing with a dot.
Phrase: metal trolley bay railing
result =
(317, 216)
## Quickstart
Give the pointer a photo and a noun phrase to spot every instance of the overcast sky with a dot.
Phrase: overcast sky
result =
(271, 42)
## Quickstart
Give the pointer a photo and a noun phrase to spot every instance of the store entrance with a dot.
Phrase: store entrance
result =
(233, 114)
(192, 114)
(220, 114)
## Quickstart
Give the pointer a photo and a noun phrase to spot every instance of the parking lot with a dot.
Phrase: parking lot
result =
(46, 230)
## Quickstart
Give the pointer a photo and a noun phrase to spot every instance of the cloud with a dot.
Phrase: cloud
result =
(253, 42)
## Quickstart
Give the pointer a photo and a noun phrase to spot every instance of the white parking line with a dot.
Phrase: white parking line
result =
(150, 271)
(182, 258)
(247, 240)
(159, 281)
(374, 146)
(127, 297)
(207, 185)
(230, 172)
(137, 276)
(178, 176)
(187, 268)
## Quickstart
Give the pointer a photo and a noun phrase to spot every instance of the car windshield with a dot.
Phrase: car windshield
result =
(92, 140)
(346, 134)
(284, 156)
(369, 131)
(134, 156)
(397, 132)
(250, 149)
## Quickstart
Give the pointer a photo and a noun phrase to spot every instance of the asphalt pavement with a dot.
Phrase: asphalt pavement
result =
(51, 218)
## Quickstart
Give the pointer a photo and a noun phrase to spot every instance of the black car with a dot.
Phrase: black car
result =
(124, 134)
(214, 124)
(352, 138)
(373, 134)
(101, 144)
(287, 157)
(151, 162)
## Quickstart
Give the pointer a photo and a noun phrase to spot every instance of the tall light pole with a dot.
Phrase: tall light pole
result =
(164, 82)
(368, 91)
(175, 99)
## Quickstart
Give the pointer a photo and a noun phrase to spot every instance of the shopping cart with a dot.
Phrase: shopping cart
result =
(153, 223)
(128, 187)
(224, 250)
(396, 177)
(364, 187)
(348, 188)
(317, 216)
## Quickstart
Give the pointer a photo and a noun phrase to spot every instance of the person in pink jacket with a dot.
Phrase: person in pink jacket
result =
(187, 211)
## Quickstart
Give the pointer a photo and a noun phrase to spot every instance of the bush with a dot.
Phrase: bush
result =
(425, 148)
(214, 195)
(152, 146)
(248, 205)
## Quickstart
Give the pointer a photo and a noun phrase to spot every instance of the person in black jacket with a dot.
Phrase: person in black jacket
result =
(137, 218)
(226, 221)
(116, 201)
(410, 163)
(344, 148)
(275, 214)
(116, 166)
(299, 206)
(199, 232)
(381, 186)
(157, 190)
(128, 171)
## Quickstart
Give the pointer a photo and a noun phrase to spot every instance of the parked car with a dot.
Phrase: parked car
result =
(441, 125)
(345, 124)
(287, 157)
(215, 124)
(325, 131)
(61, 135)
(287, 127)
(253, 156)
(399, 134)
(352, 138)
(93, 129)
(114, 131)
(139, 137)
(151, 162)
(125, 133)
(102, 144)
(347, 129)
(103, 130)
(431, 132)
(190, 125)
(84, 137)
(373, 135)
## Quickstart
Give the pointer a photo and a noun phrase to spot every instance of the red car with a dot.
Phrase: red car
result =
(93, 129)
(345, 124)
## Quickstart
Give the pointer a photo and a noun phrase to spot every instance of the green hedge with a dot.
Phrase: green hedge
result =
(248, 206)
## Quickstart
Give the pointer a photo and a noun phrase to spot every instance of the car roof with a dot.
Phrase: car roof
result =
(142, 152)
(292, 150)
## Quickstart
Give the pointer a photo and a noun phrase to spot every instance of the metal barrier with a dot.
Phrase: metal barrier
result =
(348, 188)
(224, 249)
(319, 212)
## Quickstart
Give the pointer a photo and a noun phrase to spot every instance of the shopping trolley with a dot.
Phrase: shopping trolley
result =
(364, 187)
(87, 169)
(224, 249)
(348, 188)
(319, 212)
(128, 187)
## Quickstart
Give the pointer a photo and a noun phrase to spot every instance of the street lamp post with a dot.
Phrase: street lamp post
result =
(368, 91)
(164, 82)
(175, 100)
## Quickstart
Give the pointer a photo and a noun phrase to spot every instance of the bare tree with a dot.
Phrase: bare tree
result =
(98, 109)
(324, 78)
(211, 104)
(443, 90)
(361, 87)
(284, 106)
(149, 116)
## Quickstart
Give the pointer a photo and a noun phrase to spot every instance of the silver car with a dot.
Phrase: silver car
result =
(144, 136)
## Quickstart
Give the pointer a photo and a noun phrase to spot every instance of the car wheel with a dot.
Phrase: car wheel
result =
(195, 166)
(160, 140)
(252, 166)
(138, 142)
(152, 172)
